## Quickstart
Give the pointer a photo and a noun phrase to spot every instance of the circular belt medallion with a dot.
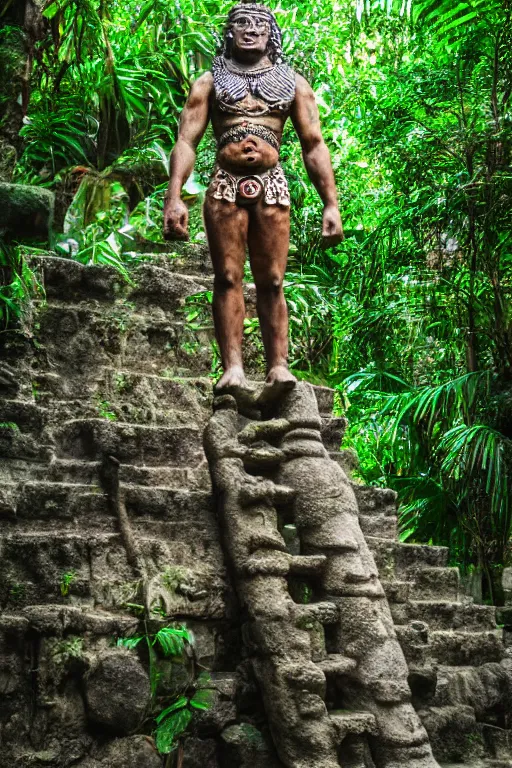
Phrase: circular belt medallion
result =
(250, 189)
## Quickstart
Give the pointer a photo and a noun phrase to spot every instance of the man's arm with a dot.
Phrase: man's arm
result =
(306, 121)
(193, 122)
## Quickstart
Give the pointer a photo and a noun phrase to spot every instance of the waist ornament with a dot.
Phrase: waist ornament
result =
(245, 190)
(240, 132)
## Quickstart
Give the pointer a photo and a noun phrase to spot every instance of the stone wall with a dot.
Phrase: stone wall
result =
(106, 500)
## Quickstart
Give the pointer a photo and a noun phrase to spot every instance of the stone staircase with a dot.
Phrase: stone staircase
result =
(113, 369)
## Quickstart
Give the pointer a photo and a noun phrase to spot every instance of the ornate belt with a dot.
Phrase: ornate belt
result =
(246, 190)
(240, 132)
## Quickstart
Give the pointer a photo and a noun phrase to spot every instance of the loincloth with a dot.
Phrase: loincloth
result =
(248, 189)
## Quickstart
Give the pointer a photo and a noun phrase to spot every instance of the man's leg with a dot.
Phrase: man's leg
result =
(226, 227)
(268, 240)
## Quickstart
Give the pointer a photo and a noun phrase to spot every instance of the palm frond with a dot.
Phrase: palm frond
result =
(477, 453)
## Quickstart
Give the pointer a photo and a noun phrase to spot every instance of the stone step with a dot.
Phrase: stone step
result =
(397, 592)
(146, 406)
(190, 395)
(41, 505)
(491, 763)
(149, 411)
(28, 416)
(346, 723)
(18, 470)
(159, 287)
(458, 648)
(454, 734)
(71, 281)
(402, 561)
(325, 399)
(485, 763)
(381, 526)
(66, 277)
(40, 502)
(484, 688)
(186, 258)
(184, 478)
(479, 764)
(81, 339)
(139, 395)
(91, 569)
(76, 471)
(333, 430)
(57, 619)
(452, 648)
(16, 446)
(375, 501)
(130, 443)
(435, 583)
(443, 614)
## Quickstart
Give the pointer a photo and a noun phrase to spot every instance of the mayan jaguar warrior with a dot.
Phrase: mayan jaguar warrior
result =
(248, 97)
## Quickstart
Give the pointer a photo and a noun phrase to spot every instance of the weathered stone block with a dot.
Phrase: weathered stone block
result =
(466, 648)
(454, 733)
(431, 583)
(131, 752)
(69, 280)
(26, 212)
(372, 500)
(117, 691)
(162, 288)
(382, 526)
(129, 443)
(200, 753)
(439, 614)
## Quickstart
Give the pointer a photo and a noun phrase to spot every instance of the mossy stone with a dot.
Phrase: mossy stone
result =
(26, 212)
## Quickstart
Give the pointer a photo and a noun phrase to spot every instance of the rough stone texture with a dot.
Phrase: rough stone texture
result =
(25, 211)
(117, 691)
(132, 752)
(114, 369)
(8, 157)
(365, 663)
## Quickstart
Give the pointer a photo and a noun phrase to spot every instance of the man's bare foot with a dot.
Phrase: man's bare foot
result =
(233, 377)
(280, 374)
(278, 382)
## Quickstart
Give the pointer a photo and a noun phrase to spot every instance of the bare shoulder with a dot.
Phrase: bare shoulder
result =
(202, 87)
(303, 90)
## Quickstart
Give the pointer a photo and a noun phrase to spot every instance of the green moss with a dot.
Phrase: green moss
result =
(26, 212)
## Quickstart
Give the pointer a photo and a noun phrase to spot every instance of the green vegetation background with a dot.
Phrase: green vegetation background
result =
(410, 319)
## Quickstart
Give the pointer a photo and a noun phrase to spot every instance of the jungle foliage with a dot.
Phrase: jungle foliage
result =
(409, 318)
(171, 710)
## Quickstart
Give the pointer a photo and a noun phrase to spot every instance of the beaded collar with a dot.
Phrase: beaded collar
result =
(273, 84)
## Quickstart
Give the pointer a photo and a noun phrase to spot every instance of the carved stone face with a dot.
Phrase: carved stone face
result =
(251, 33)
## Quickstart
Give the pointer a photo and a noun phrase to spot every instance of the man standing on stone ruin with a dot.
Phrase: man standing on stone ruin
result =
(248, 96)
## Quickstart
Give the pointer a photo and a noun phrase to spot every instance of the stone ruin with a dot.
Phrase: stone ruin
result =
(329, 643)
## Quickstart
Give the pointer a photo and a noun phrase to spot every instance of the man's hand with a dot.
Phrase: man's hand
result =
(175, 220)
(332, 228)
